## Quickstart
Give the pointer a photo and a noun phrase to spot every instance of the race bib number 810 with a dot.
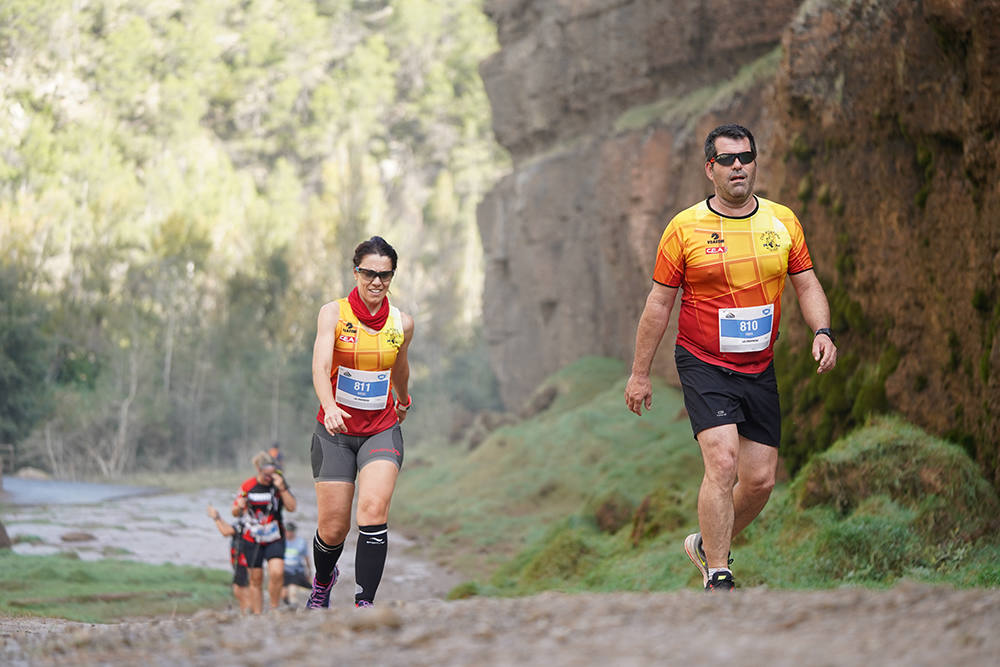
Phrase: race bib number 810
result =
(745, 329)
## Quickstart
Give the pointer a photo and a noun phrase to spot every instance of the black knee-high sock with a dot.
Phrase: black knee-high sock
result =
(369, 561)
(325, 557)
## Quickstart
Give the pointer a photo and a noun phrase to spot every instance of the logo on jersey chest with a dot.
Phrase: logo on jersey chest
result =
(716, 244)
(348, 339)
(770, 241)
(394, 337)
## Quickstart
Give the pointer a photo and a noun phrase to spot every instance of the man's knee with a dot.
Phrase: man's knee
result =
(759, 483)
(720, 452)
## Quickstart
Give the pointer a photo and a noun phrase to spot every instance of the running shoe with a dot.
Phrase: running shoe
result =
(364, 604)
(722, 580)
(320, 596)
(696, 552)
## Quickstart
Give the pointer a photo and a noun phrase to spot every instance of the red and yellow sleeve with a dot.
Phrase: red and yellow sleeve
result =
(798, 255)
(669, 269)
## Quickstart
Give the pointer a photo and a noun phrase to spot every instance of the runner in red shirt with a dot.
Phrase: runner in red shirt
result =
(361, 376)
(260, 502)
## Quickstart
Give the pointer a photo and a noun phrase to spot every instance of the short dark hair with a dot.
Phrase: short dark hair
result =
(730, 130)
(290, 526)
(376, 245)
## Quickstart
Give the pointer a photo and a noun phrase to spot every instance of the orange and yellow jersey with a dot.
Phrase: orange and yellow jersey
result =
(732, 272)
(361, 371)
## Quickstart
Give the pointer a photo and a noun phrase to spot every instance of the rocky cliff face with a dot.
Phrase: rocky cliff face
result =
(602, 105)
(876, 121)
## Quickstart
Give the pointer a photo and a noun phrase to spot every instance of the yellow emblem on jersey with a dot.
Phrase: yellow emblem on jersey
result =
(394, 337)
(771, 241)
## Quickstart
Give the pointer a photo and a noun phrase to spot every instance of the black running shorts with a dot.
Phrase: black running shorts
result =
(258, 553)
(337, 458)
(240, 576)
(714, 396)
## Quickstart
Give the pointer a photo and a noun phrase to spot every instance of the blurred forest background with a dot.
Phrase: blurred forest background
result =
(182, 185)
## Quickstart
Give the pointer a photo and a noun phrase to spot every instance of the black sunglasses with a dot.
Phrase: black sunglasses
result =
(727, 159)
(368, 274)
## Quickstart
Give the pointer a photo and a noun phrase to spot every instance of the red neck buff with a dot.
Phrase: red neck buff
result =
(374, 322)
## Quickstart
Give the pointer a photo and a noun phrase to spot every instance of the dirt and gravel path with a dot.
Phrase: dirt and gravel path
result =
(909, 625)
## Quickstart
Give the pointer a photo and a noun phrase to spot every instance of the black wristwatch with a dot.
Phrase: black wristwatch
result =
(826, 331)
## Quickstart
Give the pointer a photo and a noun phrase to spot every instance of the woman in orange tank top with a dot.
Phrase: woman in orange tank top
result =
(361, 377)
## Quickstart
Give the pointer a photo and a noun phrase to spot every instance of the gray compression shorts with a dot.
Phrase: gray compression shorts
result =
(337, 458)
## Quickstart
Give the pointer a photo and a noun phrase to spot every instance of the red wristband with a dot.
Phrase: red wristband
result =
(408, 403)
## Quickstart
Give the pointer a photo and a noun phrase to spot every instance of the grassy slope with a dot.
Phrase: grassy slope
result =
(112, 590)
(586, 496)
(107, 590)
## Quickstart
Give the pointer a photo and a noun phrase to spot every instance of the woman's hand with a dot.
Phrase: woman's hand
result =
(401, 410)
(278, 481)
(334, 419)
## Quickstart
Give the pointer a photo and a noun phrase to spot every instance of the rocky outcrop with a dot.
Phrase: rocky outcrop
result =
(603, 106)
(888, 113)
(876, 121)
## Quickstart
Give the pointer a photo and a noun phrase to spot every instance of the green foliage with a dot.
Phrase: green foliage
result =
(686, 110)
(24, 351)
(805, 191)
(818, 409)
(105, 591)
(185, 183)
(886, 502)
(892, 458)
(563, 555)
(801, 149)
(580, 448)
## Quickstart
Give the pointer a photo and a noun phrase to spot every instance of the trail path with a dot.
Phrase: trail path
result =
(909, 625)
(175, 528)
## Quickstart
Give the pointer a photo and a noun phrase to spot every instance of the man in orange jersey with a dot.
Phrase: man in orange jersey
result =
(730, 254)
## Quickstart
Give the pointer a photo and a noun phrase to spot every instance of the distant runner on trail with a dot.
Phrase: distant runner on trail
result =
(361, 376)
(237, 558)
(730, 254)
(260, 502)
(298, 570)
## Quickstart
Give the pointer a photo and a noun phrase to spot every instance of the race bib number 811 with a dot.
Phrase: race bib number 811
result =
(745, 329)
(365, 390)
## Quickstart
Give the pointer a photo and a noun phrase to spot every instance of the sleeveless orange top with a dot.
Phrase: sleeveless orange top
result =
(357, 378)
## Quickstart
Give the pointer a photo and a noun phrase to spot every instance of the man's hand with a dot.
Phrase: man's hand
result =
(638, 392)
(825, 352)
(278, 481)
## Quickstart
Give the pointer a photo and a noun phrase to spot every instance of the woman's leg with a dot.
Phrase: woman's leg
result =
(275, 580)
(333, 505)
(255, 591)
(376, 482)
